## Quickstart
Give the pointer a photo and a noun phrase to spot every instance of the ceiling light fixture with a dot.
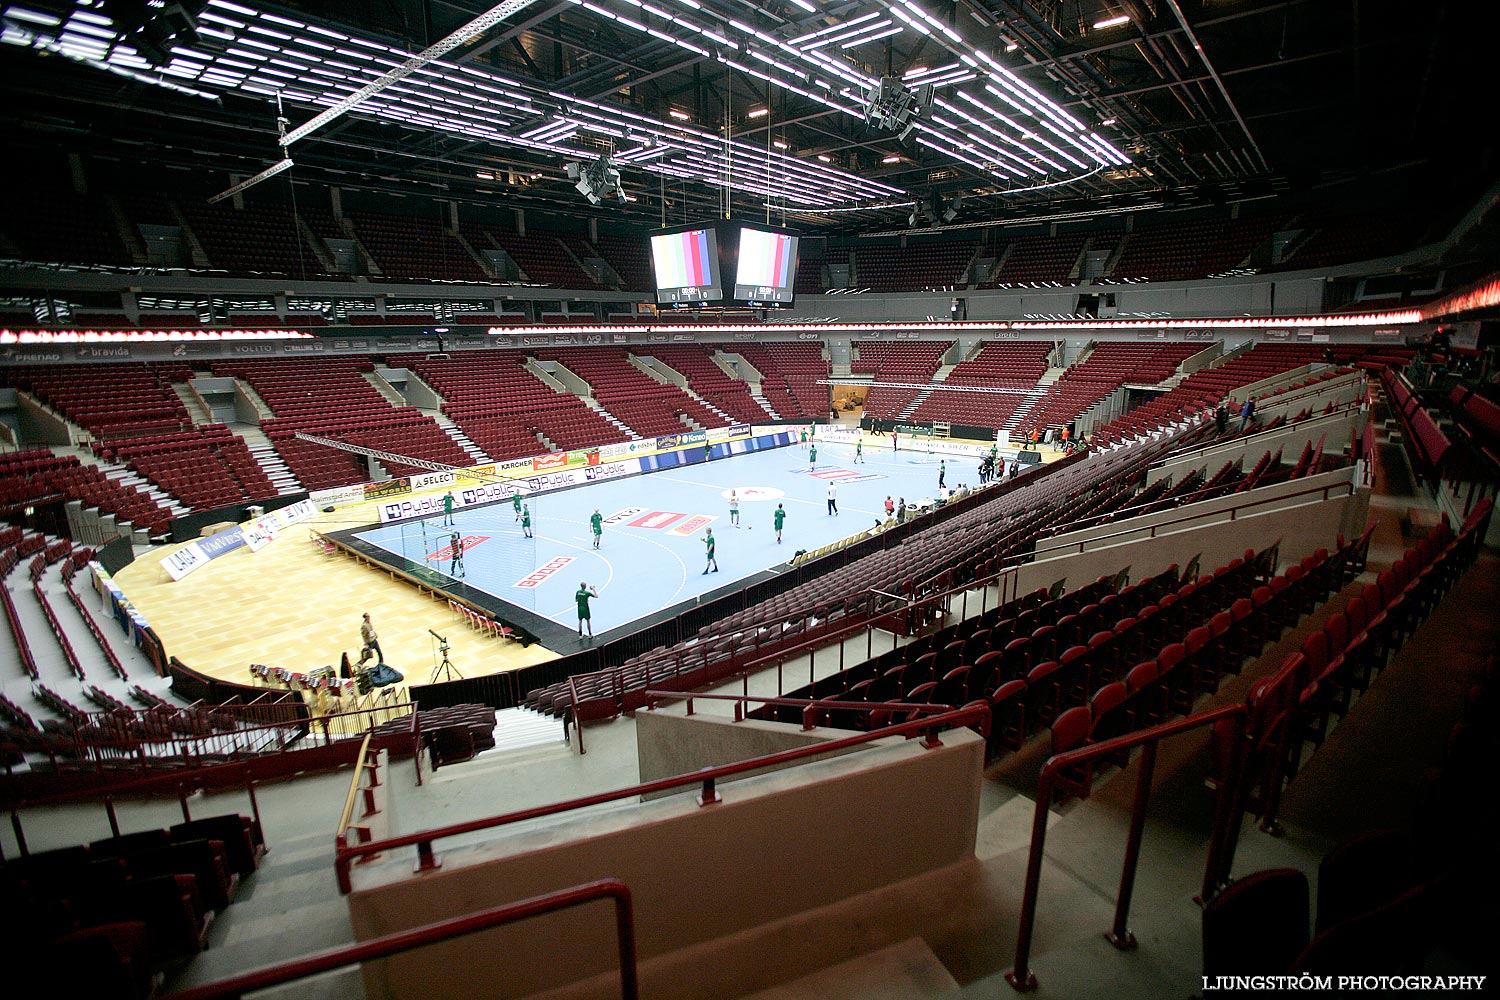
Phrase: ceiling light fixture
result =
(681, 116)
(759, 113)
(890, 159)
(1112, 22)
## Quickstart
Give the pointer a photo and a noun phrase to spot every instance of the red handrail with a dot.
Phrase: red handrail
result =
(805, 703)
(976, 712)
(1221, 842)
(442, 930)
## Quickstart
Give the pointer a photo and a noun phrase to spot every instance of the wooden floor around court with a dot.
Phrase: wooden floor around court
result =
(291, 605)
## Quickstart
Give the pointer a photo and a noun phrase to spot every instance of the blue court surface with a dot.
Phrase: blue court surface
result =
(652, 548)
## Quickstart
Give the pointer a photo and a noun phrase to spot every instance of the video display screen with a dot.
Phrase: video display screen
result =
(767, 268)
(687, 268)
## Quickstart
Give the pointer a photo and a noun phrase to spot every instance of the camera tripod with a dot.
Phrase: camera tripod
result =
(445, 671)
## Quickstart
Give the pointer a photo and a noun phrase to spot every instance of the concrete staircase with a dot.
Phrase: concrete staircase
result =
(921, 397)
(269, 460)
(593, 404)
(1042, 385)
(193, 403)
(461, 439)
(391, 393)
(765, 404)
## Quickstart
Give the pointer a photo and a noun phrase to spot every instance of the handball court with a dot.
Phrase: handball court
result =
(297, 606)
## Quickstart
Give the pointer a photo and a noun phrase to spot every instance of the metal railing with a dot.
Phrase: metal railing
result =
(811, 707)
(1221, 845)
(974, 713)
(402, 941)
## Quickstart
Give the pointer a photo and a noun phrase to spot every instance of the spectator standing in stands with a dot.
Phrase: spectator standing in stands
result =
(448, 508)
(708, 545)
(456, 554)
(582, 597)
(526, 521)
(890, 506)
(901, 511)
(515, 502)
(779, 516)
(942, 472)
(370, 640)
(1221, 418)
(734, 508)
(1247, 414)
(833, 499)
(596, 522)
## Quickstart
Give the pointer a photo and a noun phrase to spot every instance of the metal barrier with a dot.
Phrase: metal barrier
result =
(1229, 808)
(402, 941)
(974, 713)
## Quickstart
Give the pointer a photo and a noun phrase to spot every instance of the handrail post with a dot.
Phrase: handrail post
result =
(1120, 935)
(1020, 976)
(426, 860)
(1228, 815)
(710, 794)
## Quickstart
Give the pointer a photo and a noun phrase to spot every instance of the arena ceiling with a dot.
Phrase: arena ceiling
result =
(1040, 107)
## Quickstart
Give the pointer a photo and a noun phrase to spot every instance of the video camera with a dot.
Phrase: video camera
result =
(442, 640)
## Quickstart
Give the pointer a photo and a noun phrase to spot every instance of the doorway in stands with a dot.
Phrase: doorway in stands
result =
(849, 403)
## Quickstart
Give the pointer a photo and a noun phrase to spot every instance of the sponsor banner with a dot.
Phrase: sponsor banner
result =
(692, 438)
(536, 340)
(624, 515)
(431, 480)
(624, 338)
(495, 492)
(544, 462)
(621, 449)
(694, 524)
(338, 496)
(182, 562)
(614, 470)
(290, 515)
(539, 576)
(656, 519)
(590, 457)
(478, 474)
(514, 465)
(222, 542)
(838, 435)
(258, 534)
(465, 543)
(667, 442)
(387, 488)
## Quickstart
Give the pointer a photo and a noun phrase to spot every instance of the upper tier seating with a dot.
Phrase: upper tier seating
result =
(409, 247)
(630, 256)
(1040, 258)
(1110, 366)
(790, 371)
(1333, 240)
(330, 397)
(708, 380)
(913, 267)
(502, 407)
(57, 226)
(810, 258)
(255, 238)
(1000, 364)
(643, 404)
(541, 256)
(1168, 252)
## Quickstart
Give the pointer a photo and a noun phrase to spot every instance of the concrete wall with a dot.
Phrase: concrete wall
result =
(669, 744)
(777, 845)
(1334, 429)
(38, 425)
(1303, 526)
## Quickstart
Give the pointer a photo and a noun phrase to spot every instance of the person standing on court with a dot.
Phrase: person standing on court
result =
(812, 456)
(859, 451)
(734, 508)
(779, 515)
(448, 508)
(370, 640)
(803, 439)
(942, 472)
(515, 501)
(708, 451)
(895, 439)
(708, 546)
(582, 597)
(526, 521)
(596, 522)
(456, 547)
(833, 499)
